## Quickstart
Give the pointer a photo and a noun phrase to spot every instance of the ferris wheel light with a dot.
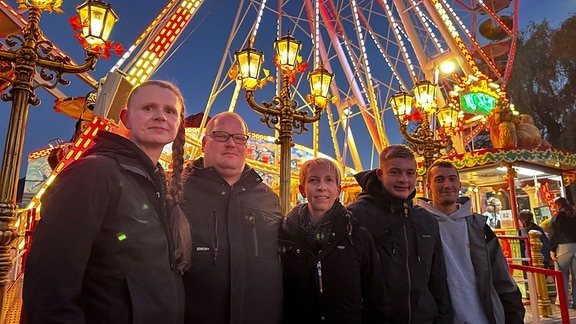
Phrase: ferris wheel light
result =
(320, 80)
(249, 62)
(287, 50)
(98, 19)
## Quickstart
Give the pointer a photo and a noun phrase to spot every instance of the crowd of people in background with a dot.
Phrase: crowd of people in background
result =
(209, 244)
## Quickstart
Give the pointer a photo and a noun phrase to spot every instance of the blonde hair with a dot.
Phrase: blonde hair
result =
(159, 83)
(319, 162)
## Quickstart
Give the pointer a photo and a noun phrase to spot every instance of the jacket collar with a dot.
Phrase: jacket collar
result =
(127, 153)
(249, 178)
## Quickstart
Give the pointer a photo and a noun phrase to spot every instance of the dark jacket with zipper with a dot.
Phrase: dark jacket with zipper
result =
(340, 283)
(102, 252)
(408, 242)
(235, 275)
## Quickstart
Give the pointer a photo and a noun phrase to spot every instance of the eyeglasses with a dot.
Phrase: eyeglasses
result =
(220, 136)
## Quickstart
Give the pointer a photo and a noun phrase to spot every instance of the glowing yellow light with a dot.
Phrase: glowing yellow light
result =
(447, 67)
(50, 179)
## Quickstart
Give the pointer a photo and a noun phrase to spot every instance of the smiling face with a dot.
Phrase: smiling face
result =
(320, 185)
(226, 157)
(444, 184)
(153, 116)
(398, 176)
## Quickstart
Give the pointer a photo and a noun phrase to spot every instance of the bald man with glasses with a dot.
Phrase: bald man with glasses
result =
(235, 275)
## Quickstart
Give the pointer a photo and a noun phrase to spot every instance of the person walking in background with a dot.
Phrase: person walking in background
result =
(527, 220)
(236, 275)
(103, 251)
(481, 287)
(331, 269)
(493, 212)
(563, 243)
(407, 239)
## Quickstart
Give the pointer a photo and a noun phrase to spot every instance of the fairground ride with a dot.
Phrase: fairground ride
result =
(375, 49)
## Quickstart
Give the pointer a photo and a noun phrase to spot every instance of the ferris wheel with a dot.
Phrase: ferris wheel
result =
(374, 49)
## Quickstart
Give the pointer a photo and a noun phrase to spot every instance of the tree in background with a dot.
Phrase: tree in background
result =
(543, 83)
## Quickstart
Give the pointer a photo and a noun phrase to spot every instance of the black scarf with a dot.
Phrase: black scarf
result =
(319, 233)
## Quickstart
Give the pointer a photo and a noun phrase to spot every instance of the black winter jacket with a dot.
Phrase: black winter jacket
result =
(408, 242)
(102, 251)
(562, 230)
(341, 283)
(235, 275)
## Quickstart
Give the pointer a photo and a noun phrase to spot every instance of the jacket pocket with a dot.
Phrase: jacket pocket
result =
(206, 238)
(261, 232)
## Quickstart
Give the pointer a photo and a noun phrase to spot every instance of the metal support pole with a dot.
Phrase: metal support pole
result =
(281, 115)
(544, 304)
(510, 179)
(285, 173)
(25, 61)
(285, 141)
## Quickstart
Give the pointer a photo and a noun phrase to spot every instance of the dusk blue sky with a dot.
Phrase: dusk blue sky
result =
(208, 32)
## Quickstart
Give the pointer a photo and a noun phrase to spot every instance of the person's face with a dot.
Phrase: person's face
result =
(497, 206)
(444, 186)
(226, 157)
(398, 176)
(153, 117)
(321, 188)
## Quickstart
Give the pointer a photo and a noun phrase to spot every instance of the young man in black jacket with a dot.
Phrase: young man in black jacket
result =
(407, 239)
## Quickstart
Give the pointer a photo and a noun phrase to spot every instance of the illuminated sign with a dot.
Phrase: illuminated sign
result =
(478, 95)
(477, 103)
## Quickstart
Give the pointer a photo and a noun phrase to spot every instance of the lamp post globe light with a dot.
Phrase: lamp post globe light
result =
(26, 54)
(427, 140)
(281, 112)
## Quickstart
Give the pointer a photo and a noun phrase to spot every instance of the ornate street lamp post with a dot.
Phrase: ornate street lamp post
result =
(281, 113)
(426, 140)
(27, 54)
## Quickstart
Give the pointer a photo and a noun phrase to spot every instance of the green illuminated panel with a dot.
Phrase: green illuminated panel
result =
(477, 103)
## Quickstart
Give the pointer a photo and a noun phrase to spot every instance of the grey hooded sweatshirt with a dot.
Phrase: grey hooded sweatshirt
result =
(481, 287)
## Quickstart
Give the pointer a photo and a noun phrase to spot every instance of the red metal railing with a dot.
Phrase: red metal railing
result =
(530, 270)
(560, 291)
(525, 239)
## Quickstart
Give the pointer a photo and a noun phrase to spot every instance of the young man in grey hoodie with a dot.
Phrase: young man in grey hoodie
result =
(481, 287)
